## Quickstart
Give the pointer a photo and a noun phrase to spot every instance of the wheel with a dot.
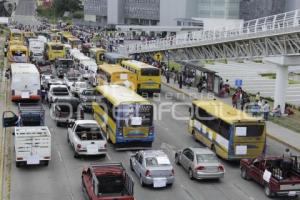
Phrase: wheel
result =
(141, 181)
(268, 191)
(18, 164)
(76, 155)
(68, 139)
(107, 135)
(46, 162)
(131, 167)
(213, 148)
(177, 159)
(244, 174)
(191, 174)
(57, 124)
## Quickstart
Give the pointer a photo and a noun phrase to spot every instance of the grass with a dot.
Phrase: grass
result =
(273, 76)
(174, 65)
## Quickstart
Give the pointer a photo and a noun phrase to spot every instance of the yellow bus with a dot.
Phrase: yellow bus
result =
(16, 34)
(68, 38)
(148, 76)
(116, 75)
(97, 54)
(55, 38)
(123, 115)
(54, 50)
(231, 133)
(114, 58)
(17, 53)
(29, 34)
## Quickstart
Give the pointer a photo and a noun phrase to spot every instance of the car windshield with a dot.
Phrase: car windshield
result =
(60, 91)
(88, 92)
(157, 161)
(206, 158)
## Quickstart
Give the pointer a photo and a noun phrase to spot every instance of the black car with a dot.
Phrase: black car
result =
(63, 65)
(86, 98)
(66, 110)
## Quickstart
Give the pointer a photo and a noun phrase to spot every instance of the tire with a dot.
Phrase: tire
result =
(244, 174)
(18, 164)
(131, 167)
(68, 139)
(177, 159)
(213, 148)
(268, 191)
(191, 174)
(76, 155)
(57, 123)
(141, 181)
(46, 163)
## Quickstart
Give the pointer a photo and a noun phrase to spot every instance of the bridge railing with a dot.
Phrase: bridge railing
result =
(253, 27)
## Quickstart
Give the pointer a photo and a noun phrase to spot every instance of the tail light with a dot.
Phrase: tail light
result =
(105, 146)
(148, 174)
(19, 158)
(78, 146)
(221, 168)
(200, 168)
(47, 157)
(13, 92)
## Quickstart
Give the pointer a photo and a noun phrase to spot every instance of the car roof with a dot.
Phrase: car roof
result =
(203, 150)
(86, 122)
(153, 153)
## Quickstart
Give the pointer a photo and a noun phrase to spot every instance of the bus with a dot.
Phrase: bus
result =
(116, 75)
(54, 50)
(148, 76)
(16, 34)
(25, 82)
(231, 133)
(114, 58)
(68, 38)
(97, 54)
(17, 53)
(125, 117)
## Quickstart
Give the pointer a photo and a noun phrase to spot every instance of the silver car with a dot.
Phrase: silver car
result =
(152, 167)
(201, 163)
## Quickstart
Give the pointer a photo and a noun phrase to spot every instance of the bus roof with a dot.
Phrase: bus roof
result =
(224, 111)
(23, 68)
(20, 47)
(120, 95)
(15, 30)
(109, 68)
(115, 55)
(73, 38)
(95, 49)
(54, 43)
(137, 64)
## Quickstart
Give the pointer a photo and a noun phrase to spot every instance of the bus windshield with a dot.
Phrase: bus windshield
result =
(135, 115)
(150, 72)
(19, 56)
(57, 47)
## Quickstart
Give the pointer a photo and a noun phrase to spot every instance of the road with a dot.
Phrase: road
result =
(61, 179)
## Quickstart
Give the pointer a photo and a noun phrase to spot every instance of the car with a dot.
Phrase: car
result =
(86, 97)
(152, 167)
(77, 87)
(53, 81)
(45, 78)
(201, 163)
(86, 138)
(66, 109)
(71, 77)
(57, 91)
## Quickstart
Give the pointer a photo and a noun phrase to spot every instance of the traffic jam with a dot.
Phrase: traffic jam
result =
(104, 99)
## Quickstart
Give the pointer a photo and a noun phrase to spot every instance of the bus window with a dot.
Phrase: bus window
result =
(57, 47)
(150, 72)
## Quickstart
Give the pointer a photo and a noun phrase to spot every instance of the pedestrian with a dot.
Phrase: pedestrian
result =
(180, 81)
(168, 76)
(234, 100)
(266, 110)
(257, 97)
(199, 86)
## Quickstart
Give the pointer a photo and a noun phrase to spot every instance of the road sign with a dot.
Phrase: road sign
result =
(158, 57)
(238, 82)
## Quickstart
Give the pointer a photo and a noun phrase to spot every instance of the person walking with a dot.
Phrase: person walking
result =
(180, 81)
(266, 110)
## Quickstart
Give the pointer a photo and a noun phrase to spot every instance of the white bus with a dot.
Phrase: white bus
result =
(25, 82)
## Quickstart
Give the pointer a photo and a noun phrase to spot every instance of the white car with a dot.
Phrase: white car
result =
(56, 91)
(86, 137)
(77, 87)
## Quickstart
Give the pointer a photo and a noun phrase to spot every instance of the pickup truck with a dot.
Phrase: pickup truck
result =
(86, 138)
(30, 114)
(107, 182)
(57, 91)
(32, 145)
(280, 176)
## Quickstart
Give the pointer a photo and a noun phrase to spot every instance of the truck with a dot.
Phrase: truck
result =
(279, 175)
(29, 114)
(107, 182)
(32, 145)
(36, 49)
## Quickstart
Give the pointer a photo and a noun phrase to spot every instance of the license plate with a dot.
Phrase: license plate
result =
(33, 160)
(25, 95)
(159, 182)
(292, 193)
(92, 149)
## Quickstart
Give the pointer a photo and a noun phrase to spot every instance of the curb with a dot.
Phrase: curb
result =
(268, 135)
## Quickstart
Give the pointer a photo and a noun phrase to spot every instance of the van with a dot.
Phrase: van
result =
(88, 68)
(25, 82)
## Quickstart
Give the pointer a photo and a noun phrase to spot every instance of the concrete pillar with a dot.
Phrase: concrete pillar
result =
(281, 86)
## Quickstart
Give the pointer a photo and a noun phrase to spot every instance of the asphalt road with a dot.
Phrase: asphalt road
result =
(61, 179)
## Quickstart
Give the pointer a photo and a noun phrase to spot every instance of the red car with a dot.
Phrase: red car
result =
(107, 182)
(280, 176)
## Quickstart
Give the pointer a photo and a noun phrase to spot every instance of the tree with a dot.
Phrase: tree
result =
(61, 6)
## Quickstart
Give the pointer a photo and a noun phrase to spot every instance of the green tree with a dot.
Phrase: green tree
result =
(61, 6)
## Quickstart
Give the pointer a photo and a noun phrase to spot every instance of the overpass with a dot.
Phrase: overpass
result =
(276, 39)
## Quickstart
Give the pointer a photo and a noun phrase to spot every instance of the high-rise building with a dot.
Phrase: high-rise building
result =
(162, 12)
(253, 9)
(292, 5)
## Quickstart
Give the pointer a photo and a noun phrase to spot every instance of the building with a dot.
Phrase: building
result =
(159, 12)
(292, 5)
(253, 9)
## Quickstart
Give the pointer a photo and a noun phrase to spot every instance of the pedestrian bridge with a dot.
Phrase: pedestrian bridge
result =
(269, 36)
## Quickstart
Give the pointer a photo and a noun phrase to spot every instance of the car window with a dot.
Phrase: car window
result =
(188, 153)
(206, 158)
(140, 159)
(157, 161)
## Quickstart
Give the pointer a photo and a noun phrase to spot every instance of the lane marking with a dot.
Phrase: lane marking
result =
(108, 156)
(59, 155)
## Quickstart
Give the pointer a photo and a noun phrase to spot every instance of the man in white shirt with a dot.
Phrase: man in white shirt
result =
(266, 110)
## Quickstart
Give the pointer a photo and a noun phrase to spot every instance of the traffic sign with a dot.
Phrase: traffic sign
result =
(158, 56)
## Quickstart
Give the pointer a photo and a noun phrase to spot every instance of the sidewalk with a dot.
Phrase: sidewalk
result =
(274, 131)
